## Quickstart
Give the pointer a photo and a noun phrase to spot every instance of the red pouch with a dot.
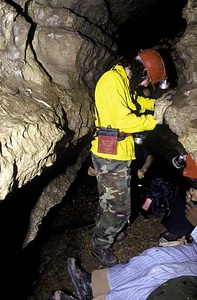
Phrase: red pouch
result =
(108, 140)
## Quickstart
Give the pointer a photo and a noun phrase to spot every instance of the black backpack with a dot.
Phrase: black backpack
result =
(162, 193)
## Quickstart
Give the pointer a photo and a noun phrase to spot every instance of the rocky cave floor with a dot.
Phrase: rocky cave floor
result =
(69, 235)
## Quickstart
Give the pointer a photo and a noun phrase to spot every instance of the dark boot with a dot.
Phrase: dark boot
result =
(105, 256)
(80, 278)
(120, 237)
(60, 295)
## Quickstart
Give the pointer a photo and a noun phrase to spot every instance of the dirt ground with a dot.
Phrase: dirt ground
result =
(69, 235)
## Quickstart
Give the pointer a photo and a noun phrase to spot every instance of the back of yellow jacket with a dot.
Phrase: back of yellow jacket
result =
(114, 107)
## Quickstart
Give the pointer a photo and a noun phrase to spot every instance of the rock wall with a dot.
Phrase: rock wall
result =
(182, 115)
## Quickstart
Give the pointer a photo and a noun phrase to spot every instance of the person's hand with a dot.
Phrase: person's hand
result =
(141, 172)
(191, 212)
(161, 104)
(191, 208)
(160, 108)
(191, 194)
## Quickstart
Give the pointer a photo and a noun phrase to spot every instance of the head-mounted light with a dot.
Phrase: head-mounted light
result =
(164, 84)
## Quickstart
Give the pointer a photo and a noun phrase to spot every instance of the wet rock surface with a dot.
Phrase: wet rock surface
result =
(69, 235)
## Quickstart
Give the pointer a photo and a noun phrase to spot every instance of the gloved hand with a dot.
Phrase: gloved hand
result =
(161, 104)
(160, 108)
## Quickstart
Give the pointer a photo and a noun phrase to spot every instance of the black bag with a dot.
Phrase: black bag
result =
(181, 288)
(162, 194)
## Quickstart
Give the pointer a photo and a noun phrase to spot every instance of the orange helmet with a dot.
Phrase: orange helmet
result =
(153, 64)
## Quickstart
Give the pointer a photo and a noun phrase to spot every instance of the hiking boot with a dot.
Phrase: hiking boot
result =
(60, 295)
(120, 237)
(105, 256)
(80, 279)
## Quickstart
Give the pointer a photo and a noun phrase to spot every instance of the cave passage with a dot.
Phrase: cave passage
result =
(159, 22)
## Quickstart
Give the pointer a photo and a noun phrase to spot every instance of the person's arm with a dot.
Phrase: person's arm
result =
(91, 171)
(146, 165)
(191, 206)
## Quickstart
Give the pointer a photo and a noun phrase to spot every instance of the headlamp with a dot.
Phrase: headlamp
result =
(179, 161)
(164, 84)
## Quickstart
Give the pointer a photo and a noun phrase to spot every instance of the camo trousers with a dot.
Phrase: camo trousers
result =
(114, 207)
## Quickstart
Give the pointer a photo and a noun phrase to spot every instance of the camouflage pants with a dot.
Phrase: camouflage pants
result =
(114, 207)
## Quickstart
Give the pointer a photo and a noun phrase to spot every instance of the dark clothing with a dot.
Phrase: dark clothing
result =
(176, 222)
(181, 288)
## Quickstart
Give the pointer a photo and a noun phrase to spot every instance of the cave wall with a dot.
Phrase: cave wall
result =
(182, 115)
(51, 55)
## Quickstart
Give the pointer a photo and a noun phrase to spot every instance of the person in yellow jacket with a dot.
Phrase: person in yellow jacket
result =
(120, 113)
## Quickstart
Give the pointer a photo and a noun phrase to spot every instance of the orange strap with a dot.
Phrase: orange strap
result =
(122, 135)
(190, 169)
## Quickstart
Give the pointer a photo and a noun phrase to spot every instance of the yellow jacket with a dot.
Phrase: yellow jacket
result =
(114, 107)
